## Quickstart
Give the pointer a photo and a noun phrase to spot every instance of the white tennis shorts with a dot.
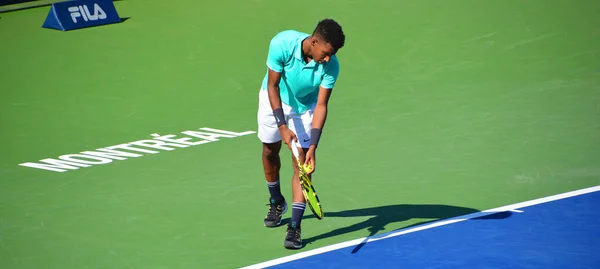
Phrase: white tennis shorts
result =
(300, 124)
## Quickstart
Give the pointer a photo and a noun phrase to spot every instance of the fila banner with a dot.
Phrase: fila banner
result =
(77, 14)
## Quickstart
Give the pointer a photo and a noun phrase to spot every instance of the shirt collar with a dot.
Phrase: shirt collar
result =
(298, 53)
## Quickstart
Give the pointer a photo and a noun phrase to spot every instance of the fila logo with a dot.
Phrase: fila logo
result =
(84, 12)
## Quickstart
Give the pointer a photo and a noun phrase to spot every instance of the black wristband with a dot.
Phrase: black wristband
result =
(279, 117)
(315, 135)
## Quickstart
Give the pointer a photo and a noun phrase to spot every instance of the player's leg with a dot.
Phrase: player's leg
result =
(301, 126)
(271, 166)
(299, 203)
(270, 137)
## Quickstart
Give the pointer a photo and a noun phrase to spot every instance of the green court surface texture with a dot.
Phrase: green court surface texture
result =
(462, 105)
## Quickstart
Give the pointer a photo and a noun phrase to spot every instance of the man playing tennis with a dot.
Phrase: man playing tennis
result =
(302, 70)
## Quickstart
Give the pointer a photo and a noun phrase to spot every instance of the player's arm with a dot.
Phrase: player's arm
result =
(275, 99)
(330, 76)
(276, 63)
(273, 90)
(319, 115)
(320, 111)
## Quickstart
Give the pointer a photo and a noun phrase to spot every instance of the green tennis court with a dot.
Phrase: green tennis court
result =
(462, 104)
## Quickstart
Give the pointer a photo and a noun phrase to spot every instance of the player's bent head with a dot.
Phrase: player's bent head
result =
(328, 38)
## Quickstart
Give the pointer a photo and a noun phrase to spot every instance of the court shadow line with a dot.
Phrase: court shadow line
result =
(383, 215)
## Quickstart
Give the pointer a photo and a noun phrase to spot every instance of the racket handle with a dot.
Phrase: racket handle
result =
(295, 150)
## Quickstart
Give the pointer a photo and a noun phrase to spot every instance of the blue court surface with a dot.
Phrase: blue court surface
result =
(561, 231)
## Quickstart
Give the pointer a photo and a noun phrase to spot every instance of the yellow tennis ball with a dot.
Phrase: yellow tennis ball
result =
(307, 167)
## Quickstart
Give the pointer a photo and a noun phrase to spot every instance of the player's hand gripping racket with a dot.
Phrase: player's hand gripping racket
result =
(307, 188)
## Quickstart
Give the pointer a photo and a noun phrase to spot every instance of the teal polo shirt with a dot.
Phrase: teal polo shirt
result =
(300, 81)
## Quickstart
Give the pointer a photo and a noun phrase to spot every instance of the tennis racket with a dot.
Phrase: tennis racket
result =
(310, 195)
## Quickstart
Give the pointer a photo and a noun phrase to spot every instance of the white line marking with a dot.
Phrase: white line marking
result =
(354, 242)
(480, 37)
(530, 40)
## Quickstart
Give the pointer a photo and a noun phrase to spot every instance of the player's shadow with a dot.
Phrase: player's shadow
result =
(383, 215)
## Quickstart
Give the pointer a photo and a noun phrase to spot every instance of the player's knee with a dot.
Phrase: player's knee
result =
(271, 151)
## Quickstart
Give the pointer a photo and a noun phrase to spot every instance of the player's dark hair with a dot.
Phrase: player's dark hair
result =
(331, 32)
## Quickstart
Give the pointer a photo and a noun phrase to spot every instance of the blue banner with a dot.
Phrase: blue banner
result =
(78, 14)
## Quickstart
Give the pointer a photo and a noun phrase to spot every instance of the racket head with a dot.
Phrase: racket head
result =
(311, 197)
(310, 194)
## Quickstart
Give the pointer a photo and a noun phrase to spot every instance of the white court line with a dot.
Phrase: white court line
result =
(354, 242)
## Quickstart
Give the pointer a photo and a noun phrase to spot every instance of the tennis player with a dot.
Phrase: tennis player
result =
(302, 69)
